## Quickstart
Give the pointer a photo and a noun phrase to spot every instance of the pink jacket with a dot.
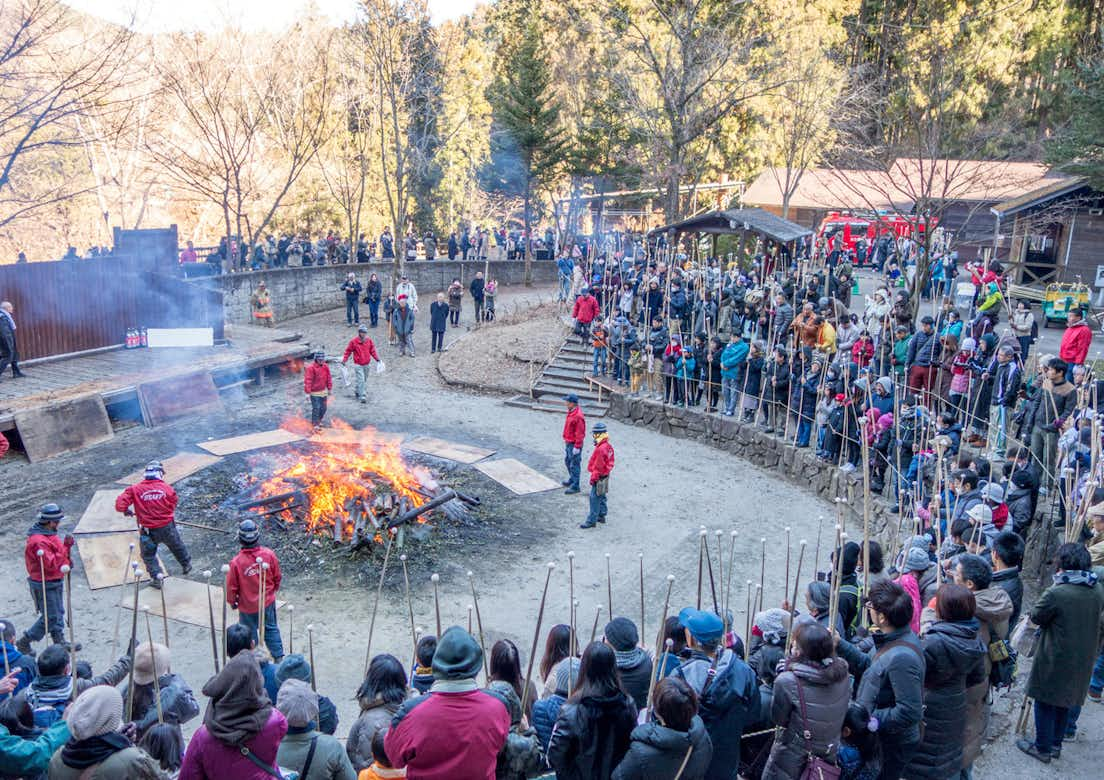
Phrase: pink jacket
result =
(912, 586)
(208, 759)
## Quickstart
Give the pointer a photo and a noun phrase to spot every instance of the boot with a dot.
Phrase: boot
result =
(23, 645)
(76, 646)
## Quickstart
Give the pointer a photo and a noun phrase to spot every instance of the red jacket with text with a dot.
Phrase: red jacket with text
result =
(601, 461)
(55, 553)
(586, 309)
(243, 581)
(317, 378)
(363, 352)
(154, 502)
(574, 428)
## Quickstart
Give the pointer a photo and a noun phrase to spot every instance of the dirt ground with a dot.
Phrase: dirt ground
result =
(662, 492)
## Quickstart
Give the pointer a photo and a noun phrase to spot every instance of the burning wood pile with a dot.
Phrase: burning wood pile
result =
(351, 487)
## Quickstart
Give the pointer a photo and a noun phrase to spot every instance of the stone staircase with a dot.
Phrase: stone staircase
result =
(565, 373)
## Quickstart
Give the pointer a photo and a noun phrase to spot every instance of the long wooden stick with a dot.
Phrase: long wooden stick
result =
(225, 569)
(479, 625)
(68, 572)
(133, 642)
(291, 627)
(763, 569)
(640, 558)
(261, 616)
(153, 662)
(660, 639)
(375, 607)
(594, 628)
(720, 574)
(609, 587)
(731, 570)
(793, 607)
(409, 605)
(4, 646)
(837, 571)
(747, 620)
(709, 567)
(42, 574)
(701, 565)
(119, 606)
(310, 651)
(436, 578)
(570, 618)
(536, 635)
(164, 609)
(211, 618)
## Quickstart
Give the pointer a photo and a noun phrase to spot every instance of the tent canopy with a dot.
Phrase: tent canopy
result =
(757, 221)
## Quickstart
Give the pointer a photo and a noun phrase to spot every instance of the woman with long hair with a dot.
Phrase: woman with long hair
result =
(592, 733)
(559, 645)
(380, 696)
(505, 667)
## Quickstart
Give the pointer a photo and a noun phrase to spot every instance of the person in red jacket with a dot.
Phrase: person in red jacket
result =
(457, 729)
(45, 552)
(4, 446)
(317, 383)
(243, 586)
(574, 431)
(600, 466)
(363, 350)
(154, 502)
(584, 312)
(1075, 342)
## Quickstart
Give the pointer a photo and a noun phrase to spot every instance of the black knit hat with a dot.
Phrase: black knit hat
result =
(51, 513)
(621, 634)
(458, 656)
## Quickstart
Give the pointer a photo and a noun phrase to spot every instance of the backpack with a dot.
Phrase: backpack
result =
(1004, 659)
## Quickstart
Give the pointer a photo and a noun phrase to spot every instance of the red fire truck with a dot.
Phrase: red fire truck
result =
(857, 232)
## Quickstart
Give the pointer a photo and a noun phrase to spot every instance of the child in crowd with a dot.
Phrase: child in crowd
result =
(599, 339)
(422, 678)
(859, 752)
(636, 370)
(381, 768)
(826, 403)
(489, 290)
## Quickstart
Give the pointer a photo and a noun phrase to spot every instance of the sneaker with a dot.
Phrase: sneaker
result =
(588, 524)
(23, 645)
(847, 468)
(1069, 736)
(571, 491)
(566, 483)
(1028, 747)
(602, 519)
(155, 584)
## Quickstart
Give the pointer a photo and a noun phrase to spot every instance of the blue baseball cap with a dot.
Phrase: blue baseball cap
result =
(571, 398)
(703, 626)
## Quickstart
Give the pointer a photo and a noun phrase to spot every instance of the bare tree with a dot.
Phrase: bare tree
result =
(55, 67)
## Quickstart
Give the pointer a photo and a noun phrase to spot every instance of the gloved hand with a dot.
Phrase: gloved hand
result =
(575, 450)
(128, 513)
(68, 540)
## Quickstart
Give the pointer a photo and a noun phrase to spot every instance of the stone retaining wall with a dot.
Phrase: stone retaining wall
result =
(300, 291)
(800, 466)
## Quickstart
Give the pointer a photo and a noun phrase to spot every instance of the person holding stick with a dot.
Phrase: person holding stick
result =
(178, 703)
(153, 502)
(600, 467)
(633, 664)
(455, 730)
(54, 687)
(23, 666)
(726, 687)
(243, 586)
(44, 553)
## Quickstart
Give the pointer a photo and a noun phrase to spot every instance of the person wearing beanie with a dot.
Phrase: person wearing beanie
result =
(727, 689)
(633, 664)
(363, 351)
(96, 750)
(241, 730)
(178, 704)
(315, 756)
(52, 690)
(456, 730)
(318, 384)
(296, 667)
(916, 563)
(153, 503)
(849, 587)
(600, 467)
(546, 710)
(818, 599)
(44, 577)
(243, 586)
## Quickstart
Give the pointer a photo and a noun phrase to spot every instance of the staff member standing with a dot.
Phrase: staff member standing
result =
(317, 383)
(44, 576)
(600, 466)
(363, 350)
(243, 586)
(154, 502)
(574, 431)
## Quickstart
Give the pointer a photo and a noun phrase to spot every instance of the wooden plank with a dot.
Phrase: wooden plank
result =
(174, 397)
(181, 465)
(461, 453)
(250, 441)
(64, 427)
(101, 517)
(186, 602)
(516, 476)
(104, 557)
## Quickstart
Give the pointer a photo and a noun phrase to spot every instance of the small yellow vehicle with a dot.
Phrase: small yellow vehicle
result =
(1060, 298)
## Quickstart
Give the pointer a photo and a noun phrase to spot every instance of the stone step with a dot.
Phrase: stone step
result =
(562, 372)
(570, 383)
(590, 408)
(542, 389)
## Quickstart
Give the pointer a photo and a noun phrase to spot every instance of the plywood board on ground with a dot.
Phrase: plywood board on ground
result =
(101, 517)
(250, 441)
(516, 476)
(181, 465)
(105, 558)
(186, 601)
(164, 400)
(461, 453)
(69, 426)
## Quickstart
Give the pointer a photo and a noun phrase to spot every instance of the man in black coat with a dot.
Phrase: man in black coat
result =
(1006, 553)
(438, 323)
(476, 289)
(9, 353)
(633, 664)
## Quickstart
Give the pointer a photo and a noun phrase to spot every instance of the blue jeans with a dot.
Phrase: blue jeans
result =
(599, 361)
(373, 312)
(573, 463)
(318, 409)
(804, 431)
(565, 288)
(1050, 726)
(55, 606)
(730, 390)
(352, 310)
(273, 641)
(998, 429)
(597, 506)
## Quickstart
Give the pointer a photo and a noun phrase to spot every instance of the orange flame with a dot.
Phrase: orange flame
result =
(345, 466)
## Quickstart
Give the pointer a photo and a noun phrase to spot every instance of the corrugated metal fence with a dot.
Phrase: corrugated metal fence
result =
(70, 306)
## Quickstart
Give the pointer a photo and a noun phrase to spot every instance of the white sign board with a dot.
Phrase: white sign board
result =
(1099, 276)
(181, 337)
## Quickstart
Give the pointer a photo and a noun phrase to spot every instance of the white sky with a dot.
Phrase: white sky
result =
(172, 15)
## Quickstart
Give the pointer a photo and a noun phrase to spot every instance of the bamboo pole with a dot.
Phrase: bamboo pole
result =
(640, 558)
(436, 578)
(119, 606)
(211, 620)
(164, 609)
(479, 625)
(594, 628)
(291, 627)
(709, 566)
(131, 645)
(409, 605)
(536, 634)
(310, 657)
(153, 662)
(660, 639)
(66, 570)
(793, 601)
(375, 606)
(261, 616)
(731, 569)
(225, 570)
(609, 587)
